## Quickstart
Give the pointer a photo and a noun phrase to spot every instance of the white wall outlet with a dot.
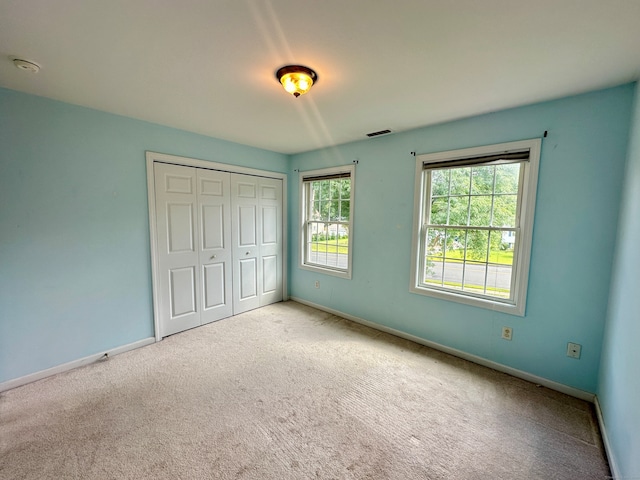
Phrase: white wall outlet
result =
(507, 333)
(317, 284)
(574, 350)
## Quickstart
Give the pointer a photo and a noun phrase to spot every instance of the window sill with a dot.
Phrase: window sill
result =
(517, 309)
(327, 271)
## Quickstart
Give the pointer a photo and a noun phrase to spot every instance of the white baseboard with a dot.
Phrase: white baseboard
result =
(17, 382)
(613, 465)
(574, 392)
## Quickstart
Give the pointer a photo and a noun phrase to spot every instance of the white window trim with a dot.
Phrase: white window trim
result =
(303, 214)
(523, 257)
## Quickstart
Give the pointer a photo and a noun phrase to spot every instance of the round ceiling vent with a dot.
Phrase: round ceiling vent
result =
(26, 65)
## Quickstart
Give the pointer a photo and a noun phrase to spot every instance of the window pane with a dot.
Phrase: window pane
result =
(333, 212)
(454, 244)
(326, 209)
(314, 193)
(439, 182)
(433, 270)
(504, 210)
(480, 211)
(477, 245)
(345, 188)
(315, 211)
(452, 274)
(435, 242)
(482, 180)
(499, 281)
(460, 181)
(507, 178)
(439, 208)
(345, 210)
(458, 210)
(474, 277)
(502, 244)
(332, 247)
(334, 188)
(317, 247)
(342, 255)
(312, 232)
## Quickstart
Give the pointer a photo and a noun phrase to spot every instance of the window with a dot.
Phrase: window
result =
(327, 219)
(473, 223)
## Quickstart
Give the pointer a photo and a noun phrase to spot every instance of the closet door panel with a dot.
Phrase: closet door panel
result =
(269, 274)
(246, 222)
(214, 291)
(248, 278)
(177, 234)
(247, 226)
(182, 291)
(270, 240)
(215, 252)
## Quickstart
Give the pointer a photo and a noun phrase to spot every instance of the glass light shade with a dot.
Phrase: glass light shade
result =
(296, 83)
(296, 79)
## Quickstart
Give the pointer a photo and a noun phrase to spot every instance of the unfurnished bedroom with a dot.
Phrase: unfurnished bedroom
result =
(288, 240)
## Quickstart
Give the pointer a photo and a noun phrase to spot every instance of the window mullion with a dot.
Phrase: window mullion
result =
(464, 259)
(493, 196)
(469, 197)
(462, 227)
(307, 223)
(486, 263)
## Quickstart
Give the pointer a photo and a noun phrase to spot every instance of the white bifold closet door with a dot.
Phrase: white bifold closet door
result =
(219, 238)
(257, 241)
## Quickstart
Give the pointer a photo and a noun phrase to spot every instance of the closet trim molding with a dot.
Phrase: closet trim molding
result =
(155, 157)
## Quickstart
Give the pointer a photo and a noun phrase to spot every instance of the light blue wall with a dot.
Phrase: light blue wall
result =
(74, 243)
(75, 274)
(581, 172)
(619, 386)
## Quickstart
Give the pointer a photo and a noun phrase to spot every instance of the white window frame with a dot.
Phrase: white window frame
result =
(524, 222)
(304, 212)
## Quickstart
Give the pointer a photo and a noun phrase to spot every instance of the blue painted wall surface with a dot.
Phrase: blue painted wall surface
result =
(75, 274)
(581, 173)
(619, 386)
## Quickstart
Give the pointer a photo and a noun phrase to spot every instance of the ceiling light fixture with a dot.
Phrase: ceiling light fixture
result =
(296, 79)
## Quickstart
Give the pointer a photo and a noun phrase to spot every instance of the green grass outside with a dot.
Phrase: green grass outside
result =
(341, 247)
(496, 292)
(503, 257)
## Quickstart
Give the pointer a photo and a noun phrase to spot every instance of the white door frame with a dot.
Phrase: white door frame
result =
(153, 157)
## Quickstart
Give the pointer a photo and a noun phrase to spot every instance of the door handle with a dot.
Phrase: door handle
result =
(248, 253)
(212, 257)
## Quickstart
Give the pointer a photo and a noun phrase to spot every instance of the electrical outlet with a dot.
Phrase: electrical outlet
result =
(574, 350)
(507, 333)
(317, 284)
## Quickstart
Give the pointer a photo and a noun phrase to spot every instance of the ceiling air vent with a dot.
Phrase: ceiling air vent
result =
(375, 134)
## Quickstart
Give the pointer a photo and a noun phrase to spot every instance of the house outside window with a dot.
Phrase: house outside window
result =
(327, 220)
(473, 223)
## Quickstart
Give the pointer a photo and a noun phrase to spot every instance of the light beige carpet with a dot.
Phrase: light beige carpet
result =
(290, 392)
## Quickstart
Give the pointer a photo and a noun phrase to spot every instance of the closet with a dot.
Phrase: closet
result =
(218, 244)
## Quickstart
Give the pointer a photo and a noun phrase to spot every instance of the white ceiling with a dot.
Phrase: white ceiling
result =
(208, 66)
